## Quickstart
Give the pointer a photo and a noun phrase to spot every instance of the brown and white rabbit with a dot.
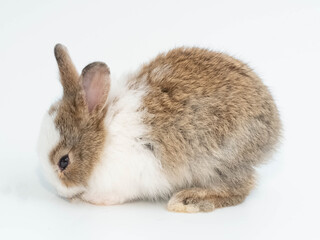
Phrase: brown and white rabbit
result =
(190, 125)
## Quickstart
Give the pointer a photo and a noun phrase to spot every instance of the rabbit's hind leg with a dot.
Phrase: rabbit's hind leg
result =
(194, 200)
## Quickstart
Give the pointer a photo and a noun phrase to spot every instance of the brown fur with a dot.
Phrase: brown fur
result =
(81, 126)
(201, 199)
(212, 121)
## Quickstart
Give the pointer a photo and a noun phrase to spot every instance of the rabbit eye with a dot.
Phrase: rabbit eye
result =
(63, 163)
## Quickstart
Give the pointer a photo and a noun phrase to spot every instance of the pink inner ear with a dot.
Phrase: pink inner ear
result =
(96, 84)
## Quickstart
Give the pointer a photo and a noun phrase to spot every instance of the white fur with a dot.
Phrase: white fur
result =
(128, 170)
(48, 139)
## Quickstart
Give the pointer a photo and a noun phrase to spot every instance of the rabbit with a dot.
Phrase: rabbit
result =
(190, 127)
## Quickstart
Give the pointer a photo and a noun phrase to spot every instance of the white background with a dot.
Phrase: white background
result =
(279, 39)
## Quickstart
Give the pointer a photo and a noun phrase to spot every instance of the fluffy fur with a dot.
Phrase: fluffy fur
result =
(128, 170)
(191, 124)
(49, 138)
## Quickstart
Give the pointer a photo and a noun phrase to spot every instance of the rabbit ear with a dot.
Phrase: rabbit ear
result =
(95, 79)
(69, 76)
